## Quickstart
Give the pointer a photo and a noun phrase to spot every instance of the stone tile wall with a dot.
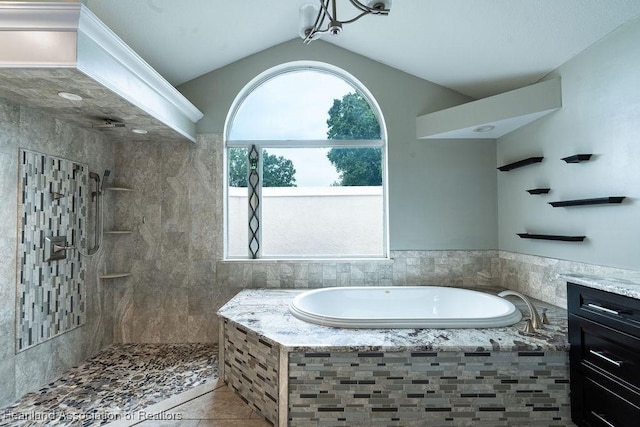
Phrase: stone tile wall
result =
(399, 388)
(440, 389)
(175, 212)
(538, 276)
(31, 129)
(51, 294)
(251, 369)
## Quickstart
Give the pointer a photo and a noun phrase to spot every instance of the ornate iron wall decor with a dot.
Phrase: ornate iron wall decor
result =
(254, 202)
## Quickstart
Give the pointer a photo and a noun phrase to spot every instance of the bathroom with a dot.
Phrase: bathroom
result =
(453, 218)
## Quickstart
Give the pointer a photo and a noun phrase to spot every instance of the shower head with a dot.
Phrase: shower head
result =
(108, 124)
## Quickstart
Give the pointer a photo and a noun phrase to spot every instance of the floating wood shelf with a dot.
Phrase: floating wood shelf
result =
(118, 232)
(521, 163)
(578, 158)
(114, 275)
(552, 237)
(118, 189)
(585, 202)
(539, 191)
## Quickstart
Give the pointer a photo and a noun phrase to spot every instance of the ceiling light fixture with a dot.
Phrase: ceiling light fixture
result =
(70, 96)
(485, 128)
(316, 21)
(140, 131)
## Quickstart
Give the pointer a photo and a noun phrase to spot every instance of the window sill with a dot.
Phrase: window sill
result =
(309, 260)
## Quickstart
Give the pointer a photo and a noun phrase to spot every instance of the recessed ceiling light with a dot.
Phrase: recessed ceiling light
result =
(139, 131)
(70, 96)
(485, 128)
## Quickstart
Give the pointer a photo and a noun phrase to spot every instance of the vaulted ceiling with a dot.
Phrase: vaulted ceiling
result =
(477, 47)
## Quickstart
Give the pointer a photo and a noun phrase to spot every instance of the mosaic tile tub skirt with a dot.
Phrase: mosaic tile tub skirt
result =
(118, 381)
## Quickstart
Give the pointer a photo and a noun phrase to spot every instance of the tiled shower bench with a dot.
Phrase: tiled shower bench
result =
(299, 374)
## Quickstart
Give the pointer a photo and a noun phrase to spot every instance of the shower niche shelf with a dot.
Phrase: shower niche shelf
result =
(118, 189)
(107, 276)
(118, 232)
(520, 163)
(552, 237)
(586, 202)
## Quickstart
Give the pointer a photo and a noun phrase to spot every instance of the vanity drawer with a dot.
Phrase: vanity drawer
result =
(616, 311)
(603, 408)
(599, 347)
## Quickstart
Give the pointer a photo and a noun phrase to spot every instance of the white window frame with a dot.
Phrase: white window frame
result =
(320, 143)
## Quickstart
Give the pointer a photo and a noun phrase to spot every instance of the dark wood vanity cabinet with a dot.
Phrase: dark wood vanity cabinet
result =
(604, 333)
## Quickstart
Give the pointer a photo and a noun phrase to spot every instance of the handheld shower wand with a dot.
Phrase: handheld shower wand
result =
(105, 175)
(99, 216)
(94, 176)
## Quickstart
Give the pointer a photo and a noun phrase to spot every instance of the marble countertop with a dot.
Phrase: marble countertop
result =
(627, 285)
(266, 312)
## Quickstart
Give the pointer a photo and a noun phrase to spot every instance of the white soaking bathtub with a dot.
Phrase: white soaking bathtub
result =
(403, 307)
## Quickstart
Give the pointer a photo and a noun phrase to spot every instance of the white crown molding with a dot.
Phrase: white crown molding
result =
(103, 36)
(39, 16)
(68, 35)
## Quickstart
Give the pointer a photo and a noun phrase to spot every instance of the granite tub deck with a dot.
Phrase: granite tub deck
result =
(117, 383)
(299, 374)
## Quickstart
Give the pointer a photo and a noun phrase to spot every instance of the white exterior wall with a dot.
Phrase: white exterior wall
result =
(311, 221)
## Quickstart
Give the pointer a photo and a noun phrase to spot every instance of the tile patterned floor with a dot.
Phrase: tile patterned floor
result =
(218, 408)
(118, 381)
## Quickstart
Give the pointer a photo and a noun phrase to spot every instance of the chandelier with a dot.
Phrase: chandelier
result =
(316, 21)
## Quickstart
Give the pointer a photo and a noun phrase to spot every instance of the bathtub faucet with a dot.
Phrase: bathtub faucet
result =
(535, 317)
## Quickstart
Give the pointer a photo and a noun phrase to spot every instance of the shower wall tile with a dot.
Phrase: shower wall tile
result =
(175, 213)
(26, 128)
(8, 174)
(51, 294)
(7, 373)
(123, 313)
(203, 238)
(146, 224)
(34, 367)
(97, 334)
(9, 127)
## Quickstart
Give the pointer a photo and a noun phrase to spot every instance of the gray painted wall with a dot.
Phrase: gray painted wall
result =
(442, 194)
(600, 115)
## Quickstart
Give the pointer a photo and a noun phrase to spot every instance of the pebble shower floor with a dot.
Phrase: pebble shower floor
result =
(118, 381)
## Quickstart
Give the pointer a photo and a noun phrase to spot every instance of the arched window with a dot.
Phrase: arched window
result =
(305, 167)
